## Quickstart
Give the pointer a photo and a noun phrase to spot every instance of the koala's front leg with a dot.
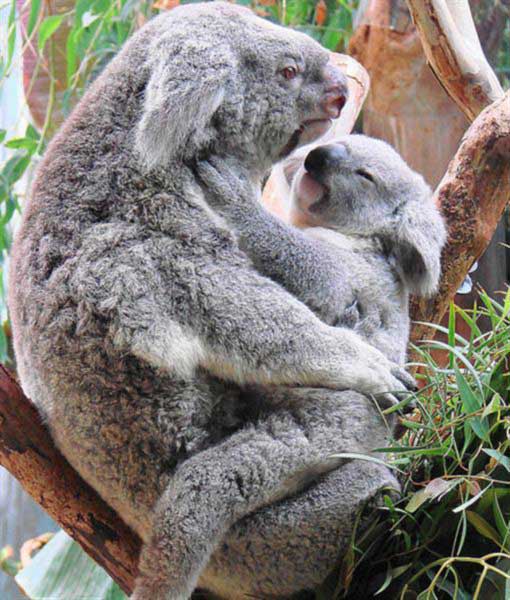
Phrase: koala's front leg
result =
(180, 313)
(305, 267)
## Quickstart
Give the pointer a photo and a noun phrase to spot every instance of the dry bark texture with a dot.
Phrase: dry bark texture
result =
(452, 48)
(406, 106)
(28, 452)
(473, 196)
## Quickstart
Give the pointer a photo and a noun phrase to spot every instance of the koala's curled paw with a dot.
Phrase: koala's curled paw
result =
(227, 183)
(380, 377)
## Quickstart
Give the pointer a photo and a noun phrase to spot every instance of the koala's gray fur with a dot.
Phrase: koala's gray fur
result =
(137, 318)
(374, 242)
(364, 244)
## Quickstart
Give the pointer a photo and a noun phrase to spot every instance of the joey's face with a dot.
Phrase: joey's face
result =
(354, 185)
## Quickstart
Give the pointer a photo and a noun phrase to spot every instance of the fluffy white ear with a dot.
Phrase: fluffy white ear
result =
(186, 87)
(417, 247)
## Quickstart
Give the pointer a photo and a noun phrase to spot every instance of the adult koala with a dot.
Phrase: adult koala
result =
(136, 316)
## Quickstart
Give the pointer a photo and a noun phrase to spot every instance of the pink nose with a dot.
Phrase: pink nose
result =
(336, 92)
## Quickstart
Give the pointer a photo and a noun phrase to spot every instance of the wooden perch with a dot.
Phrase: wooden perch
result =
(476, 188)
(28, 452)
(452, 48)
(473, 195)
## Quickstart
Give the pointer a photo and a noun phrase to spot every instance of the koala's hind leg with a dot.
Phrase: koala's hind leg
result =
(208, 493)
(255, 467)
(292, 546)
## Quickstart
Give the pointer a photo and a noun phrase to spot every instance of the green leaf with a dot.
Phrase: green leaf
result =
(22, 144)
(35, 7)
(32, 133)
(14, 168)
(483, 528)
(47, 29)
(499, 457)
(471, 404)
(11, 34)
(499, 519)
(2, 135)
(62, 570)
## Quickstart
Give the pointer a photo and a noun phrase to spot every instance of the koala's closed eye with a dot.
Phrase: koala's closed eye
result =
(365, 174)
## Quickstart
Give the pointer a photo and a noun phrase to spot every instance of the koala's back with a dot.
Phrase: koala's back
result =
(89, 205)
(381, 298)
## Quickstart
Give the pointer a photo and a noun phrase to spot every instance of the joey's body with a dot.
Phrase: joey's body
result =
(372, 236)
(376, 300)
(138, 319)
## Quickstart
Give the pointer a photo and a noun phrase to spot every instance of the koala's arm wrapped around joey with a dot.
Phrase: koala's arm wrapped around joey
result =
(305, 267)
(224, 318)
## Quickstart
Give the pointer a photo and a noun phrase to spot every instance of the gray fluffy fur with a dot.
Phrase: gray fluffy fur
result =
(138, 320)
(364, 243)
(370, 242)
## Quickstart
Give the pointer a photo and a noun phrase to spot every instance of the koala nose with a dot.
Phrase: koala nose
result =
(336, 91)
(323, 159)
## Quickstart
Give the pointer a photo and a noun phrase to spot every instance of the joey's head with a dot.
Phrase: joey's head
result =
(222, 80)
(360, 186)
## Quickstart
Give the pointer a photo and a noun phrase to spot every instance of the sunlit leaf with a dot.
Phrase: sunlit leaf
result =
(47, 29)
(35, 8)
(483, 527)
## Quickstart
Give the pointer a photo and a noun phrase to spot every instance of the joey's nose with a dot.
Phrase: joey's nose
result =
(322, 160)
(335, 92)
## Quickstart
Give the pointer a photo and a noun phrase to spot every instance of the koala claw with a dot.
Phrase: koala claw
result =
(403, 376)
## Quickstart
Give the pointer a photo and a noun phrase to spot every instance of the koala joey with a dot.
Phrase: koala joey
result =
(138, 319)
(369, 234)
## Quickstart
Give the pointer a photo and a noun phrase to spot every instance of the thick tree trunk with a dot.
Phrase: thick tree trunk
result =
(28, 452)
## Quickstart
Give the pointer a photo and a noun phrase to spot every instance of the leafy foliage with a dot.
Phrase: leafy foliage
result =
(449, 534)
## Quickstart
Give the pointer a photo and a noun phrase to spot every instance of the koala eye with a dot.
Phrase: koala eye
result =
(365, 175)
(289, 72)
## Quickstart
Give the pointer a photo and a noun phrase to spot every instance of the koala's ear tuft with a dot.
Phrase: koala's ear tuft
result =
(416, 249)
(187, 85)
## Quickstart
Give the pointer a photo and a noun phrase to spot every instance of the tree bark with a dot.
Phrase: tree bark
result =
(28, 452)
(473, 195)
(453, 50)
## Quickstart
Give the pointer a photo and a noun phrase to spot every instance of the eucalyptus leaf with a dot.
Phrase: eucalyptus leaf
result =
(62, 570)
(47, 29)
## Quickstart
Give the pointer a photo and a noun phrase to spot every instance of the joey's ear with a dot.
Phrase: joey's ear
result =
(416, 249)
(186, 87)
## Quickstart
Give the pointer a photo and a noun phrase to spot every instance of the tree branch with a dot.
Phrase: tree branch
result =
(473, 195)
(28, 452)
(452, 47)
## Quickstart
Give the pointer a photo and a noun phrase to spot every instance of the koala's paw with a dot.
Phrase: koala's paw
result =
(226, 181)
(380, 377)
